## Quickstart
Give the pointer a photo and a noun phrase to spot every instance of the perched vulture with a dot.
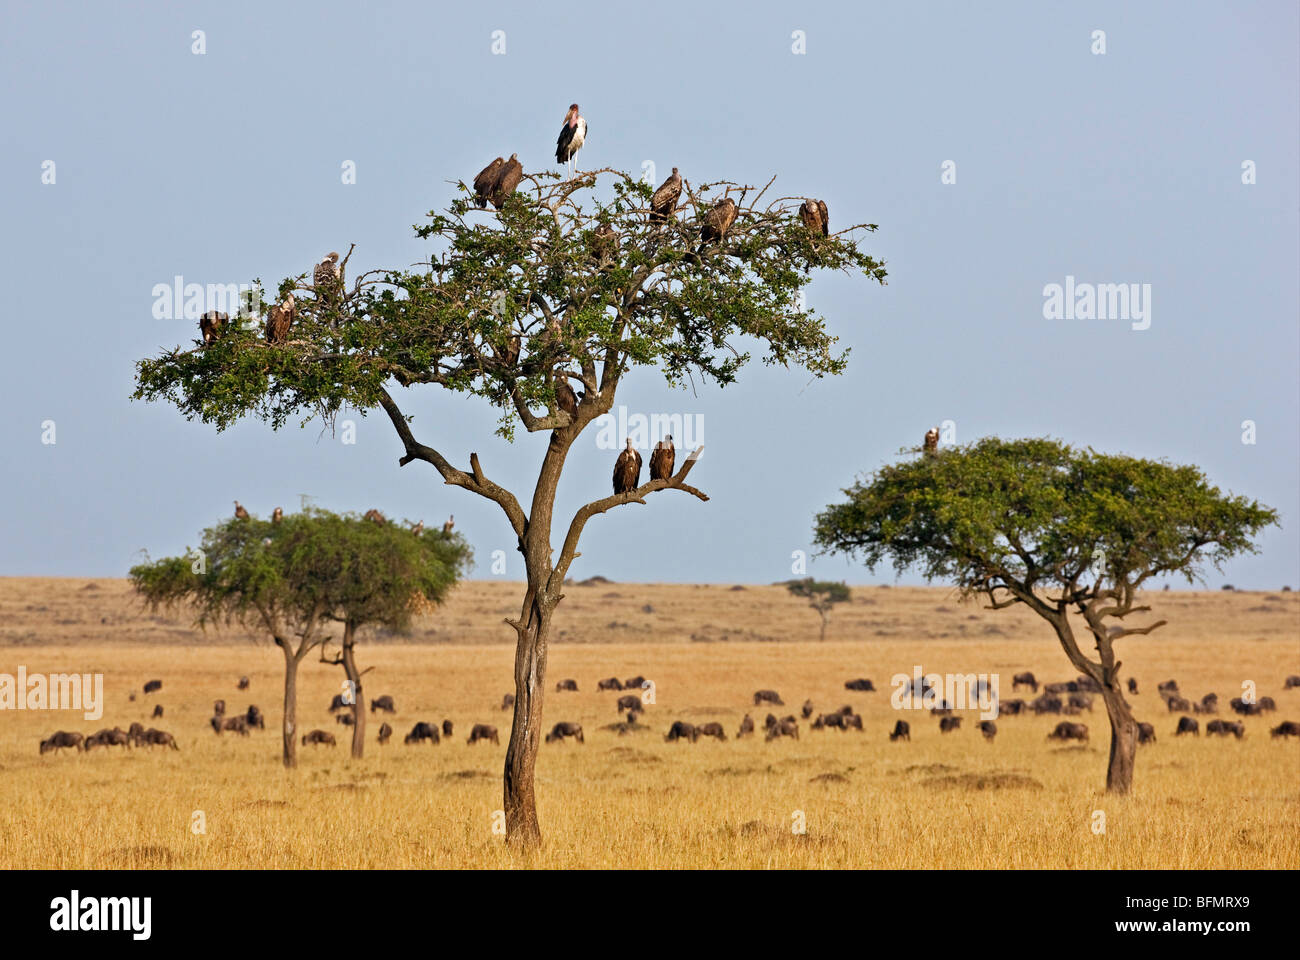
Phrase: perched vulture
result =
(376, 516)
(240, 512)
(662, 460)
(932, 441)
(604, 243)
(815, 216)
(418, 528)
(277, 515)
(565, 398)
(451, 522)
(627, 469)
(485, 181)
(210, 325)
(719, 220)
(280, 319)
(572, 136)
(328, 271)
(663, 203)
(512, 171)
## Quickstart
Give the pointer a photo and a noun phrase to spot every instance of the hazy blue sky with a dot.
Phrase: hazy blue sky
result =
(1117, 168)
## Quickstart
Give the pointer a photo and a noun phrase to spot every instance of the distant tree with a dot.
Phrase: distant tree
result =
(295, 578)
(565, 287)
(821, 596)
(1072, 535)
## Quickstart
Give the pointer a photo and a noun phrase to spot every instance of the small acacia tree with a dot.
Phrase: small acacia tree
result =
(295, 578)
(821, 595)
(1073, 535)
(573, 283)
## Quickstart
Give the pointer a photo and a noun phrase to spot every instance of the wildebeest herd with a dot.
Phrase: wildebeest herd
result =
(1070, 697)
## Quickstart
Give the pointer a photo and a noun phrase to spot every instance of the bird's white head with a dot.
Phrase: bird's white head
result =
(332, 256)
(629, 443)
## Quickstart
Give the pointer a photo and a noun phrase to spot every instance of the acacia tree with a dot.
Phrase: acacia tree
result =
(821, 595)
(1068, 533)
(541, 309)
(295, 578)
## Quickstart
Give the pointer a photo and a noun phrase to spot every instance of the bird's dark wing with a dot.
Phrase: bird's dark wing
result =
(826, 217)
(562, 142)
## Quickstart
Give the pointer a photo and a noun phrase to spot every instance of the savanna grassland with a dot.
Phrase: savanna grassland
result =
(635, 801)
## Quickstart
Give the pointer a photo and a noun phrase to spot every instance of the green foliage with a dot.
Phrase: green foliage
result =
(513, 299)
(819, 592)
(1030, 515)
(310, 567)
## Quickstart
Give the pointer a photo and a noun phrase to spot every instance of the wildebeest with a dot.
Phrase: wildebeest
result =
(243, 683)
(339, 703)
(1178, 705)
(63, 738)
(1146, 733)
(769, 721)
(631, 703)
(566, 685)
(947, 724)
(1025, 679)
(851, 720)
(253, 717)
(562, 730)
(1065, 730)
(1187, 725)
(1291, 681)
(153, 686)
(768, 696)
(609, 683)
(346, 719)
(1287, 728)
(159, 738)
(422, 731)
(385, 731)
(115, 737)
(1011, 708)
(829, 720)
(1266, 704)
(157, 711)
(1064, 686)
(746, 727)
(1132, 686)
(988, 728)
(1081, 701)
(681, 730)
(135, 734)
(483, 731)
(1046, 704)
(447, 728)
(807, 709)
(1207, 704)
(1240, 706)
(1224, 727)
(1087, 685)
(319, 737)
(635, 683)
(861, 684)
(384, 703)
(784, 728)
(219, 708)
(1169, 686)
(902, 731)
(237, 723)
(712, 730)
(507, 701)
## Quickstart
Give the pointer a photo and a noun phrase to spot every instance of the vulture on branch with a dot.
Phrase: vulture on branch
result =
(511, 173)
(240, 512)
(376, 516)
(604, 243)
(210, 325)
(280, 319)
(565, 398)
(327, 273)
(485, 181)
(277, 515)
(663, 203)
(932, 441)
(418, 528)
(816, 217)
(662, 460)
(572, 136)
(627, 469)
(451, 522)
(718, 220)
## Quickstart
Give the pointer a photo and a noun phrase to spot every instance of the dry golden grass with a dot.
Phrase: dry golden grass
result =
(635, 801)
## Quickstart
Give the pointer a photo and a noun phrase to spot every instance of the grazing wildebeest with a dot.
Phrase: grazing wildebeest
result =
(562, 730)
(1011, 708)
(384, 703)
(1087, 684)
(507, 701)
(1132, 686)
(1224, 727)
(159, 738)
(947, 724)
(1187, 725)
(851, 720)
(422, 731)
(635, 683)
(829, 720)
(385, 731)
(807, 709)
(1207, 704)
(243, 683)
(681, 730)
(1025, 679)
(1178, 705)
(157, 711)
(153, 686)
(712, 730)
(1065, 730)
(1287, 728)
(630, 703)
(1046, 704)
(1169, 686)
(769, 722)
(1240, 706)
(319, 737)
(1081, 701)
(1266, 703)
(768, 696)
(483, 731)
(237, 723)
(784, 728)
(902, 731)
(1291, 681)
(447, 728)
(609, 683)
(862, 685)
(63, 739)
(115, 737)
(988, 728)
(746, 727)
(344, 718)
(135, 734)
(566, 685)
(1065, 686)
(253, 717)
(339, 703)
(219, 708)
(1146, 733)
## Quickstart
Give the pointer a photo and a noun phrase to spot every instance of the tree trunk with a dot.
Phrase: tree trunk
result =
(1123, 739)
(358, 702)
(824, 619)
(522, 828)
(289, 723)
